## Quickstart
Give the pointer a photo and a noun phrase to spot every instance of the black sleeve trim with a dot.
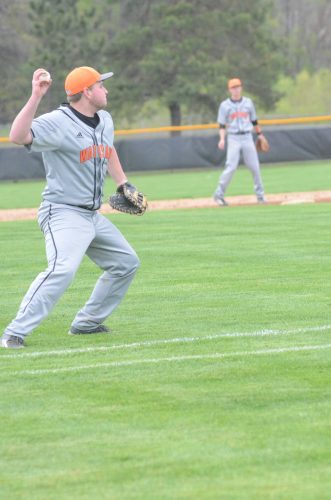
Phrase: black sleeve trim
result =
(222, 126)
(255, 122)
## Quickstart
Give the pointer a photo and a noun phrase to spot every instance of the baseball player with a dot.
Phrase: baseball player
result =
(76, 141)
(237, 117)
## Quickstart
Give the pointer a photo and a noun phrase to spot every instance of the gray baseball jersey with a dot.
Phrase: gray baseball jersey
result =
(237, 115)
(76, 159)
(75, 156)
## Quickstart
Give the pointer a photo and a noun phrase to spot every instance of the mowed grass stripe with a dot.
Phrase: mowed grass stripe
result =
(191, 357)
(156, 342)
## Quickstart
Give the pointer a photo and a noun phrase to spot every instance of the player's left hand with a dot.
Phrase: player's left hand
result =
(262, 143)
(129, 200)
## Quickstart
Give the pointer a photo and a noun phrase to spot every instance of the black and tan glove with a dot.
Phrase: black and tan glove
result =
(129, 200)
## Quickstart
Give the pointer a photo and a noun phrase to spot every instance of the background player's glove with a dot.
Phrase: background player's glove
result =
(129, 200)
(262, 144)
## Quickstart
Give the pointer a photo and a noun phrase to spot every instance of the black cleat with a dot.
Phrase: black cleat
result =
(12, 341)
(97, 329)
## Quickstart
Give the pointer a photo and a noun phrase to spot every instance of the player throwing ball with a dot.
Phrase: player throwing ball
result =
(237, 117)
(76, 141)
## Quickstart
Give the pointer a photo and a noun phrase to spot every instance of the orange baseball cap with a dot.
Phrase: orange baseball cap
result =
(235, 82)
(81, 78)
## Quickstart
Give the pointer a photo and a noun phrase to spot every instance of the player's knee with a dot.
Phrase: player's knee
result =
(132, 263)
(129, 264)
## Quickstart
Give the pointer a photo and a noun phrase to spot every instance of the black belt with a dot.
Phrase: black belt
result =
(86, 208)
(239, 133)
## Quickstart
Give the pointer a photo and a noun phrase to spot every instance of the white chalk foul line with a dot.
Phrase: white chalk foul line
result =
(156, 342)
(170, 359)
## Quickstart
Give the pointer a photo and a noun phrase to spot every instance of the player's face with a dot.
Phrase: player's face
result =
(236, 92)
(99, 95)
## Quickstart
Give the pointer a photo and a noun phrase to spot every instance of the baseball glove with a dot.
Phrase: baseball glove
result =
(129, 200)
(262, 144)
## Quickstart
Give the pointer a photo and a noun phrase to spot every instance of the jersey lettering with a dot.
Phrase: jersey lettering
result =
(239, 114)
(95, 151)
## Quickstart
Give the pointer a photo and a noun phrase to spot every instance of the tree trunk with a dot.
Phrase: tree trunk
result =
(175, 116)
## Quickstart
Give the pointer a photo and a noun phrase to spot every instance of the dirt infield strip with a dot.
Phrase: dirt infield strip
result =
(186, 203)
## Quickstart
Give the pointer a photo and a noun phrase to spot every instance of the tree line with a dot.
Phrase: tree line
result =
(177, 53)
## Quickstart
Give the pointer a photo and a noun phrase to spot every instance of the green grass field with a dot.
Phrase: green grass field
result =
(282, 178)
(215, 382)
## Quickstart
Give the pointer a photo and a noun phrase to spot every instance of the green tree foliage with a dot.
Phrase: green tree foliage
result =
(305, 95)
(182, 52)
(68, 34)
(173, 55)
(15, 42)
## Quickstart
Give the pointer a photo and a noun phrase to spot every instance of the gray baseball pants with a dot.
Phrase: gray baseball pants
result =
(237, 144)
(70, 233)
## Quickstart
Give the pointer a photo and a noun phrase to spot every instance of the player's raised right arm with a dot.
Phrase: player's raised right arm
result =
(20, 132)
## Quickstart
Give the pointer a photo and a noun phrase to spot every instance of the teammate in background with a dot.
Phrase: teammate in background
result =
(76, 141)
(237, 116)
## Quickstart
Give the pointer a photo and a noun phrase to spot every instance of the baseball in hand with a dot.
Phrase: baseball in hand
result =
(44, 77)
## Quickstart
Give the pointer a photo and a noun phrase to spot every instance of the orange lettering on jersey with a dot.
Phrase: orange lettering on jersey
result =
(101, 151)
(95, 151)
(239, 114)
(85, 154)
(108, 152)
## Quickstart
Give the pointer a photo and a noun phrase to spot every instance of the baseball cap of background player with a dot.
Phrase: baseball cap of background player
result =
(80, 78)
(235, 82)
